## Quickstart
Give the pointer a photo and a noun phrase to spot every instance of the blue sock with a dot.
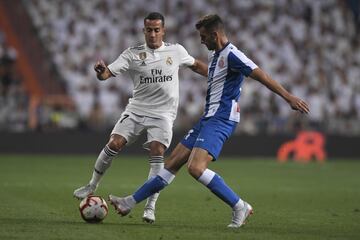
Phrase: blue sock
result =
(151, 186)
(217, 185)
(223, 191)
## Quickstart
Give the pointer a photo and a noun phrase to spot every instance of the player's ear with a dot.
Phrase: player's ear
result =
(144, 31)
(214, 35)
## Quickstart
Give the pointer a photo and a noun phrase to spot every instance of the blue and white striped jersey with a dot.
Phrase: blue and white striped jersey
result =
(226, 72)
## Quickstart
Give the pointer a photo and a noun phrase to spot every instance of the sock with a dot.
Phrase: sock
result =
(102, 163)
(217, 185)
(153, 185)
(156, 164)
(240, 204)
(130, 202)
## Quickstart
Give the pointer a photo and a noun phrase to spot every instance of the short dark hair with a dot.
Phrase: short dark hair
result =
(155, 16)
(210, 22)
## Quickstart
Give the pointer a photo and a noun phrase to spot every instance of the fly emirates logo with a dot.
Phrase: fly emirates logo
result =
(156, 77)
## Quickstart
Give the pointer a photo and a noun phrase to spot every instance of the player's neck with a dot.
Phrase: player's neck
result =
(221, 43)
(154, 46)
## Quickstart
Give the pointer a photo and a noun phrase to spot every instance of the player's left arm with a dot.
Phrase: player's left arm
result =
(200, 67)
(295, 102)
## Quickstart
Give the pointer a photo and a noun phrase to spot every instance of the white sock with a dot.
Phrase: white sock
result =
(206, 176)
(240, 204)
(130, 201)
(166, 175)
(156, 164)
(102, 163)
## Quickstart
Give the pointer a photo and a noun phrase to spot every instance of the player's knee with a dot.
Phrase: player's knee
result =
(194, 170)
(157, 149)
(116, 143)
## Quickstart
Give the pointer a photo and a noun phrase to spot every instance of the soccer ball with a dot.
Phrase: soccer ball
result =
(93, 209)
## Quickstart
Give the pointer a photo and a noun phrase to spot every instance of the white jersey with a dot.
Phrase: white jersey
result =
(155, 76)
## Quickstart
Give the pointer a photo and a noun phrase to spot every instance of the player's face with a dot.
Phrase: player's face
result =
(208, 38)
(154, 33)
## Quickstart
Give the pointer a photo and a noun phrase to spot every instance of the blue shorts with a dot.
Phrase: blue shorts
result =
(210, 135)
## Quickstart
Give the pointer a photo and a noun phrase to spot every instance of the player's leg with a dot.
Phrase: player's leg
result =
(213, 134)
(198, 168)
(103, 162)
(125, 131)
(177, 159)
(159, 135)
(156, 161)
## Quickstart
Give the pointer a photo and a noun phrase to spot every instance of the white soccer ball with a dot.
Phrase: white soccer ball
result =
(93, 209)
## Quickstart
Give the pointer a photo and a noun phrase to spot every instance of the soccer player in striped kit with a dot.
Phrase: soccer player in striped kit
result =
(154, 68)
(203, 143)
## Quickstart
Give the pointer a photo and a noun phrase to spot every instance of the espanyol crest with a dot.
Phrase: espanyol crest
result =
(221, 62)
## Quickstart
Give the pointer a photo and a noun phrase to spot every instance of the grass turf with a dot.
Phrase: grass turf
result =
(291, 201)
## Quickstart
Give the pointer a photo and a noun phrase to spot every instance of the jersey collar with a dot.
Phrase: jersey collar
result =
(225, 46)
(157, 49)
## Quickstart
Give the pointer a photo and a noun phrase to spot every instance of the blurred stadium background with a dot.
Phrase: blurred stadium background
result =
(52, 104)
(48, 86)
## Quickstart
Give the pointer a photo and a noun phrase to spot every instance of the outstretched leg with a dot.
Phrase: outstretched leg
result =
(166, 175)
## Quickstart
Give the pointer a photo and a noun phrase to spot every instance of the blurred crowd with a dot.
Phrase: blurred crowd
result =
(311, 47)
(13, 96)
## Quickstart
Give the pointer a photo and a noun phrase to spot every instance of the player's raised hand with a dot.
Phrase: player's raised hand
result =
(99, 67)
(299, 105)
(102, 71)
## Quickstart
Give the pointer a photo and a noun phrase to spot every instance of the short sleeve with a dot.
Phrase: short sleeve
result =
(185, 58)
(122, 63)
(238, 62)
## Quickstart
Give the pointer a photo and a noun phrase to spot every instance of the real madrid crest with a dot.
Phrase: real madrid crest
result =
(169, 61)
(142, 57)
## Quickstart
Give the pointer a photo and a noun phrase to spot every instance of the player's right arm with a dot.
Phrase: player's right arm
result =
(102, 71)
(120, 65)
(195, 65)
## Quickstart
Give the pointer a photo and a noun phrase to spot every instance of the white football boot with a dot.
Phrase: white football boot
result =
(149, 215)
(84, 191)
(120, 205)
(240, 215)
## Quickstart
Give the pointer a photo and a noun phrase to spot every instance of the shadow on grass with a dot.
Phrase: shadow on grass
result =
(175, 225)
(29, 221)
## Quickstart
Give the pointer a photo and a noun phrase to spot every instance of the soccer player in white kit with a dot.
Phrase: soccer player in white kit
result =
(153, 67)
(228, 67)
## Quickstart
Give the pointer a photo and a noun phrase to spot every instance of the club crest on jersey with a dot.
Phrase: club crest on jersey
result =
(169, 61)
(142, 57)
(221, 62)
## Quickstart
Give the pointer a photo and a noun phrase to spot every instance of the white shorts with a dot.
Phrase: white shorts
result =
(131, 126)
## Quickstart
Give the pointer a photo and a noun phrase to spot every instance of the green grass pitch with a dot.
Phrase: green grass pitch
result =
(291, 201)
